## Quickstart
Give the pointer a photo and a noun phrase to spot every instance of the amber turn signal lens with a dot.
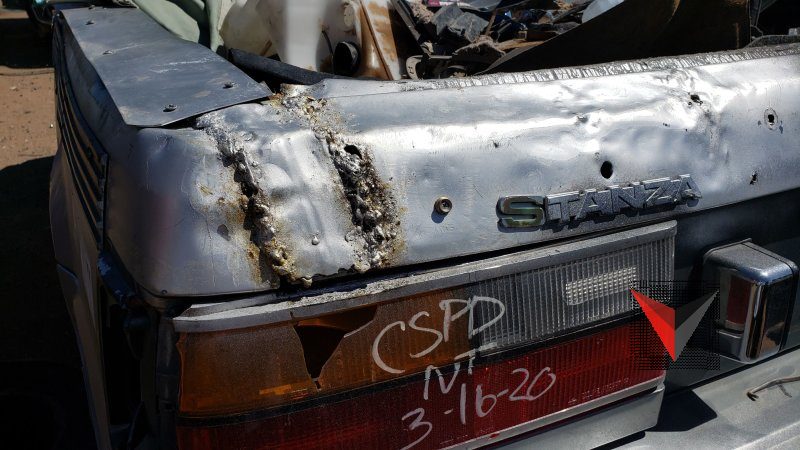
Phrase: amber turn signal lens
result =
(246, 369)
(232, 371)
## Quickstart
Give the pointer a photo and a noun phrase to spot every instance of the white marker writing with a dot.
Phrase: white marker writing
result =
(376, 356)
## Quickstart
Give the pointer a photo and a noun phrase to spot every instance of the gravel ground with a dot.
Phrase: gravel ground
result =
(42, 399)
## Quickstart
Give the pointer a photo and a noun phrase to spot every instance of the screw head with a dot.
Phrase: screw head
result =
(90, 22)
(170, 108)
(443, 205)
(228, 85)
(108, 52)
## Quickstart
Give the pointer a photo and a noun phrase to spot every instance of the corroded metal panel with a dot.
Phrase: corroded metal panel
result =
(343, 177)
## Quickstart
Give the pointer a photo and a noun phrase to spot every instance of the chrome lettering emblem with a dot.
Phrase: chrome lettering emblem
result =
(530, 211)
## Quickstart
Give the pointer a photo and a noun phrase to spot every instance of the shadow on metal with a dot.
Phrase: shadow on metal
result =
(682, 412)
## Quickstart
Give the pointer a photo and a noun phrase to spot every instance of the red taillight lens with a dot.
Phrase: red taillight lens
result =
(740, 293)
(453, 405)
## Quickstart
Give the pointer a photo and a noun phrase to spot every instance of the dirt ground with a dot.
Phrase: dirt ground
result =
(42, 400)
(27, 118)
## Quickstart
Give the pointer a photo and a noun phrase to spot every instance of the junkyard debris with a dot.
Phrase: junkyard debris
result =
(395, 39)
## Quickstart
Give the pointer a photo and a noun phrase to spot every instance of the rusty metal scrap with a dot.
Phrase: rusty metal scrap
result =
(465, 37)
(625, 32)
(639, 29)
(458, 38)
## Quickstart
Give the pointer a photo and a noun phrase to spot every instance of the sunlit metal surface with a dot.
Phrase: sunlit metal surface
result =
(154, 77)
(182, 225)
(524, 134)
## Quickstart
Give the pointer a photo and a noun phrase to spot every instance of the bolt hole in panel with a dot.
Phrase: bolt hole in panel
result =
(504, 342)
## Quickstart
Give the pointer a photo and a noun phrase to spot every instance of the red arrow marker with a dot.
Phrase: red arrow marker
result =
(662, 317)
(674, 335)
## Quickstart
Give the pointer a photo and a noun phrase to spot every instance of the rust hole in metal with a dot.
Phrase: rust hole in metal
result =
(352, 149)
(607, 170)
(223, 231)
(771, 118)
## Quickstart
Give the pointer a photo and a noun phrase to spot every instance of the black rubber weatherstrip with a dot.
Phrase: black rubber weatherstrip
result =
(261, 68)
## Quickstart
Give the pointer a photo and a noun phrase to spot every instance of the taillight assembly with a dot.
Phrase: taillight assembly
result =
(757, 296)
(432, 359)
(449, 405)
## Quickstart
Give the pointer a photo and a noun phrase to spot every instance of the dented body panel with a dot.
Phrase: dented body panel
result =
(346, 184)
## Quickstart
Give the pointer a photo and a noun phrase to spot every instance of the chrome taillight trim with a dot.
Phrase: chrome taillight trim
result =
(770, 283)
